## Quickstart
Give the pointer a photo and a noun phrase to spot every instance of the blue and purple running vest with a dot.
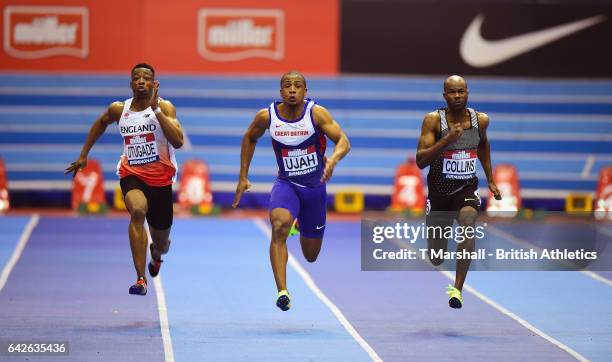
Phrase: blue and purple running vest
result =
(299, 146)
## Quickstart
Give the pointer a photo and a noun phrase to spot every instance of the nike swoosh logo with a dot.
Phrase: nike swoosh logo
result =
(479, 52)
(320, 227)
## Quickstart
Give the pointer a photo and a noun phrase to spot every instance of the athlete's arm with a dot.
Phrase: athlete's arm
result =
(111, 115)
(484, 153)
(324, 120)
(249, 141)
(167, 119)
(428, 149)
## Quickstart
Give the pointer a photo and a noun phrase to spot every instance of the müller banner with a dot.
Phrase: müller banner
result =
(535, 39)
(205, 36)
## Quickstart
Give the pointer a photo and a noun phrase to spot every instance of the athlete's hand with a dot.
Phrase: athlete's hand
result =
(76, 166)
(243, 185)
(454, 132)
(155, 98)
(330, 164)
(495, 191)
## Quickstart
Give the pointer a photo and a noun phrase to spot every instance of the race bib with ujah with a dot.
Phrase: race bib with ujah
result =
(300, 161)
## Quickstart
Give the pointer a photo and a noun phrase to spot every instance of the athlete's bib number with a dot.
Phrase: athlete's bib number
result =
(300, 161)
(141, 149)
(459, 164)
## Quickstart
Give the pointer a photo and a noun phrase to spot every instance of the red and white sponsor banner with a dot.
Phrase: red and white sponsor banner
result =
(208, 36)
(4, 195)
(37, 32)
(506, 178)
(408, 190)
(603, 195)
(88, 186)
(195, 187)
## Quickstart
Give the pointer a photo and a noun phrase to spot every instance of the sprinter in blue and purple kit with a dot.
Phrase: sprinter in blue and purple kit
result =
(298, 128)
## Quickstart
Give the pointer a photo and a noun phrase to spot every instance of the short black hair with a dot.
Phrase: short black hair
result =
(144, 65)
(292, 72)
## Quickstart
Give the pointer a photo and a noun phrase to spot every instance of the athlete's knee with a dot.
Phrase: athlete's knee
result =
(467, 244)
(435, 261)
(138, 214)
(467, 216)
(281, 225)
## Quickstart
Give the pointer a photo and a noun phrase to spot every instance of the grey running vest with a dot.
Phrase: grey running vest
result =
(455, 168)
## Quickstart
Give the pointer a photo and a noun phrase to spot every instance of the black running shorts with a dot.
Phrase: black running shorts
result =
(159, 201)
(443, 210)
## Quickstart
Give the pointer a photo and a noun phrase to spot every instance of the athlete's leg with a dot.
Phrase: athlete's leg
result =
(136, 203)
(160, 242)
(159, 217)
(311, 247)
(467, 217)
(284, 206)
(312, 218)
(281, 220)
(436, 222)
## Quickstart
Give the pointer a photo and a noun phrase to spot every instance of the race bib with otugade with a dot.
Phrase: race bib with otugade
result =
(141, 149)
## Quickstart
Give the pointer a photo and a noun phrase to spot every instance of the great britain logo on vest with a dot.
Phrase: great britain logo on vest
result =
(300, 161)
(459, 164)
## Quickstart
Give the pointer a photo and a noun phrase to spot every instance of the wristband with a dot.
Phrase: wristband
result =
(157, 110)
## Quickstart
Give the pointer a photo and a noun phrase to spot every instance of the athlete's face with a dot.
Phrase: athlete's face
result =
(293, 89)
(456, 94)
(142, 82)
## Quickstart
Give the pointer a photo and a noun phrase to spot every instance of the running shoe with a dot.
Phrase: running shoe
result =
(455, 300)
(140, 288)
(283, 300)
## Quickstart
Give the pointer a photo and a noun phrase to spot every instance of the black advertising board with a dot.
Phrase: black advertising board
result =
(526, 38)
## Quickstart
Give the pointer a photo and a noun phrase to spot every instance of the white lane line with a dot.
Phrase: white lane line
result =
(505, 311)
(518, 319)
(163, 318)
(526, 243)
(265, 228)
(21, 244)
(163, 311)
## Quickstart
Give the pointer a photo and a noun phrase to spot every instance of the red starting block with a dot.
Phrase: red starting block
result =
(88, 190)
(408, 190)
(4, 195)
(506, 178)
(195, 189)
(603, 195)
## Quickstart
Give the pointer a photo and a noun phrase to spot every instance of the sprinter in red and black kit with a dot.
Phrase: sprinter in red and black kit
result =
(147, 168)
(451, 140)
